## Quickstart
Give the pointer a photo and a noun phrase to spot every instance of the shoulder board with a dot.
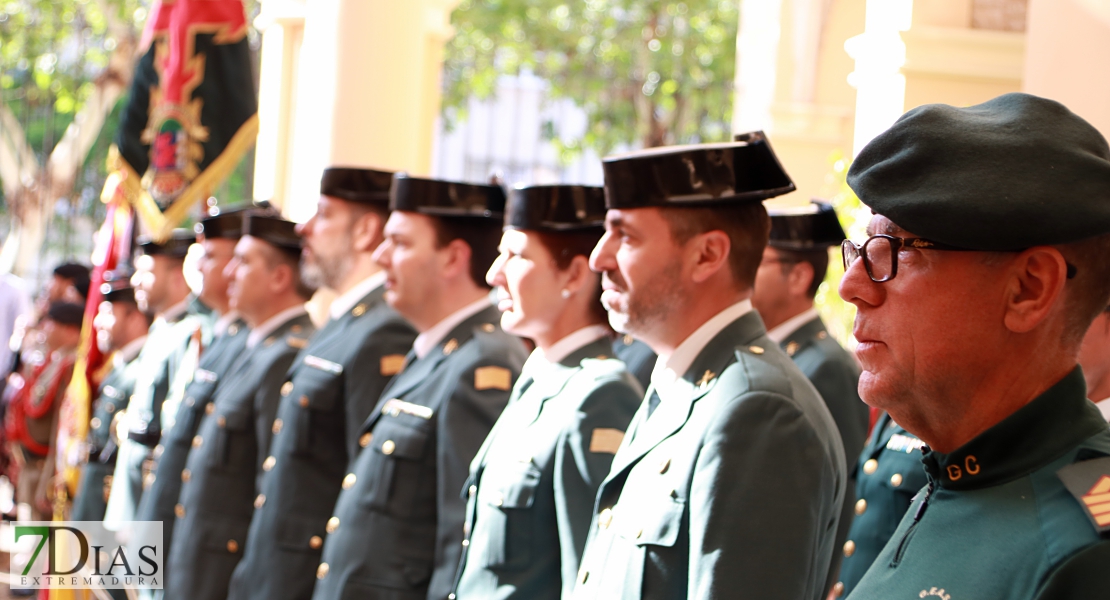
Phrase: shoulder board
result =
(1089, 482)
(492, 377)
(392, 364)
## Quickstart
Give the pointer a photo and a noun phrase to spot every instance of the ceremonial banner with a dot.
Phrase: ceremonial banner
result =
(191, 114)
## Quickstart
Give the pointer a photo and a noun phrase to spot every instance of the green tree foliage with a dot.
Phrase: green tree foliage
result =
(65, 66)
(839, 315)
(647, 73)
(52, 50)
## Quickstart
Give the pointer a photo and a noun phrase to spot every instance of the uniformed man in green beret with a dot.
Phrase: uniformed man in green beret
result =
(180, 319)
(1094, 357)
(121, 329)
(220, 480)
(794, 265)
(397, 527)
(217, 236)
(985, 265)
(730, 479)
(329, 391)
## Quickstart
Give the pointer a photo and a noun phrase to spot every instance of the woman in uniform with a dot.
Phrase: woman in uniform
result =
(533, 482)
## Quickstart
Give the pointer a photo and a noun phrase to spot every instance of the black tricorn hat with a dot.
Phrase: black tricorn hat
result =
(117, 286)
(736, 172)
(272, 229)
(66, 313)
(370, 186)
(556, 207)
(177, 245)
(439, 198)
(809, 227)
(227, 224)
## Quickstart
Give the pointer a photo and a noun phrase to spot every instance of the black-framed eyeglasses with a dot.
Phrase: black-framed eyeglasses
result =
(880, 253)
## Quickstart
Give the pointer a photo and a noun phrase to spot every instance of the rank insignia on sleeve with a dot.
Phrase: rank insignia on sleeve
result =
(391, 364)
(492, 378)
(1089, 482)
(606, 440)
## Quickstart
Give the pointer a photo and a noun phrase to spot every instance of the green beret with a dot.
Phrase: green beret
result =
(1014, 172)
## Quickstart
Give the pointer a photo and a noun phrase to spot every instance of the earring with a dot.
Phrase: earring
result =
(566, 294)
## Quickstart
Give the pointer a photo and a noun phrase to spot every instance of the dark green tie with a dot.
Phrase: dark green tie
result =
(653, 402)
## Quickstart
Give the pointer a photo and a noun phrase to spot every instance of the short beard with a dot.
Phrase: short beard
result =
(651, 304)
(327, 273)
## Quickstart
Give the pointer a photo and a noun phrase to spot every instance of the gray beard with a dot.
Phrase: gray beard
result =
(327, 274)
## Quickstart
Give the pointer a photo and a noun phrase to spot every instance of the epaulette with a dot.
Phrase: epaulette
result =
(1089, 482)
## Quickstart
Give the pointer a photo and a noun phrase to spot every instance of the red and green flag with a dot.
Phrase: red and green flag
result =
(192, 113)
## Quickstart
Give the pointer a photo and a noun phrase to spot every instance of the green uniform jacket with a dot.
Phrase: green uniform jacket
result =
(888, 476)
(331, 388)
(220, 481)
(735, 489)
(159, 359)
(835, 374)
(533, 482)
(638, 358)
(159, 500)
(1001, 514)
(398, 525)
(113, 395)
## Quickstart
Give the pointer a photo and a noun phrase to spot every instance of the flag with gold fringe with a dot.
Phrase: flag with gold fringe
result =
(191, 116)
(192, 113)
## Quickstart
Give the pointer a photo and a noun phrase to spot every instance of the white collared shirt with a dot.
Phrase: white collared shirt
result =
(259, 333)
(430, 339)
(128, 352)
(789, 326)
(347, 301)
(1104, 407)
(538, 360)
(668, 372)
(224, 322)
(175, 311)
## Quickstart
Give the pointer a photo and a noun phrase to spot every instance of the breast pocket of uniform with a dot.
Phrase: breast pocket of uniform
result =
(314, 394)
(650, 523)
(233, 441)
(191, 411)
(505, 497)
(224, 535)
(396, 472)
